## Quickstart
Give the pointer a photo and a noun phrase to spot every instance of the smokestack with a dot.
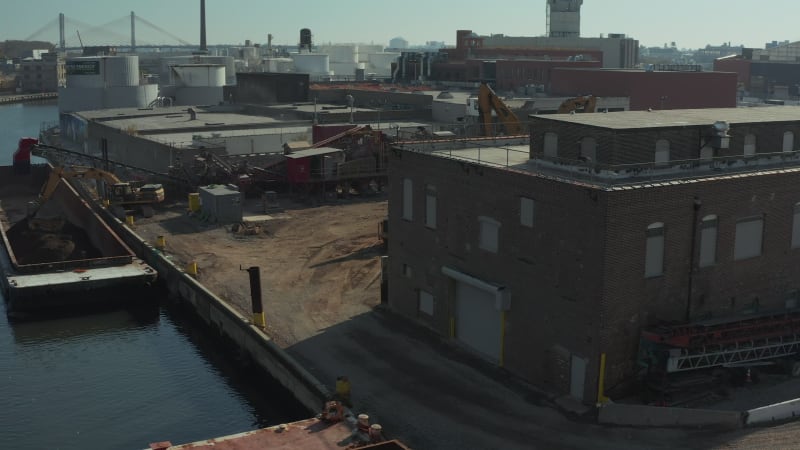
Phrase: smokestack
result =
(133, 33)
(61, 41)
(203, 46)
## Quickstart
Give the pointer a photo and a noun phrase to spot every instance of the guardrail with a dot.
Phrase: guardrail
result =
(28, 97)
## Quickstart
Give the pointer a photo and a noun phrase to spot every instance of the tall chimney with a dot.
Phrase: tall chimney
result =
(203, 46)
(133, 33)
(61, 41)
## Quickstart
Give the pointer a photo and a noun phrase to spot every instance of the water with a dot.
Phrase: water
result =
(120, 379)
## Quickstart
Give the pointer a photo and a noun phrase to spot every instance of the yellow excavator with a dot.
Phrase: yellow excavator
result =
(582, 104)
(118, 192)
(488, 101)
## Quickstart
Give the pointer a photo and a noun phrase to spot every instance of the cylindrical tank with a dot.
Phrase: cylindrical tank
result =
(279, 65)
(381, 63)
(347, 53)
(102, 71)
(199, 75)
(311, 63)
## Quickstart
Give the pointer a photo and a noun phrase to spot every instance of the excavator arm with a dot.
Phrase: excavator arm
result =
(488, 102)
(583, 104)
(92, 173)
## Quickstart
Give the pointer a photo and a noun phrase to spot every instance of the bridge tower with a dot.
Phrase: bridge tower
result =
(133, 32)
(62, 42)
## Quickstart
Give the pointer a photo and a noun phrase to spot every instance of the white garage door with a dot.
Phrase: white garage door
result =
(478, 322)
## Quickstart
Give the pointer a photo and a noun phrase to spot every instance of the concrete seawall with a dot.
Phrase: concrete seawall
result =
(20, 98)
(659, 416)
(227, 321)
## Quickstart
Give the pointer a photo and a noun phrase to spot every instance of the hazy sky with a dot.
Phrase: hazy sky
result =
(689, 23)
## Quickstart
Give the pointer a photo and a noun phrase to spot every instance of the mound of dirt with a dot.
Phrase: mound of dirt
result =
(58, 240)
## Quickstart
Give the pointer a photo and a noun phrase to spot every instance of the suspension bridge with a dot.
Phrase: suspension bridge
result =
(70, 33)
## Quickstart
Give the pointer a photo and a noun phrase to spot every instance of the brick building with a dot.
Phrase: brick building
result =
(45, 74)
(656, 89)
(540, 257)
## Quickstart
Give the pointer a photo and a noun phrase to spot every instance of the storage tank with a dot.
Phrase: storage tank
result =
(277, 65)
(199, 75)
(341, 53)
(305, 39)
(311, 63)
(102, 71)
(381, 63)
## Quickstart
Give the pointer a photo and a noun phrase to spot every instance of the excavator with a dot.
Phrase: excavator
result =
(582, 104)
(118, 193)
(488, 101)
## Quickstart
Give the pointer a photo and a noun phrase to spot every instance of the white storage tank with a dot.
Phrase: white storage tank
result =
(277, 65)
(199, 75)
(381, 63)
(311, 63)
(341, 53)
(364, 50)
(102, 71)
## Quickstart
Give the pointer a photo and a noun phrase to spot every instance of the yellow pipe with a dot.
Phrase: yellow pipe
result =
(601, 396)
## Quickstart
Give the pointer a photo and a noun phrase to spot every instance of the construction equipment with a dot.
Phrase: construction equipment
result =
(118, 193)
(488, 101)
(582, 104)
(672, 354)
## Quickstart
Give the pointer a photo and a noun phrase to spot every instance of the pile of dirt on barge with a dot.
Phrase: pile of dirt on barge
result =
(60, 254)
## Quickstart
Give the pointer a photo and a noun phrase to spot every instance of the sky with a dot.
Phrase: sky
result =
(688, 23)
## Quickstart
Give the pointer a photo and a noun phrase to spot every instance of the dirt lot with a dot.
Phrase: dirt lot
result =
(319, 265)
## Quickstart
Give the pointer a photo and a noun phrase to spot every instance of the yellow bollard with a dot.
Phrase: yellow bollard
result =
(161, 243)
(129, 220)
(260, 320)
(191, 268)
(106, 203)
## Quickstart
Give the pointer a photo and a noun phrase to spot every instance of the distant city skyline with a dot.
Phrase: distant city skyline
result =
(688, 23)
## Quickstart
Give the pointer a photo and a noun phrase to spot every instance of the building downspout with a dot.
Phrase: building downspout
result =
(696, 210)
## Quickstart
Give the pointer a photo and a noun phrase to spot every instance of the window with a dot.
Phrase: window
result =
(526, 212)
(426, 302)
(750, 145)
(489, 231)
(748, 238)
(708, 241)
(430, 207)
(662, 152)
(654, 253)
(408, 191)
(550, 144)
(788, 141)
(588, 149)
(796, 226)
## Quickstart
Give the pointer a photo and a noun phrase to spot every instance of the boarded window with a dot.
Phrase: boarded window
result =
(788, 141)
(489, 234)
(750, 145)
(796, 226)
(550, 144)
(589, 149)
(708, 241)
(662, 152)
(408, 191)
(426, 303)
(430, 206)
(749, 233)
(526, 212)
(654, 253)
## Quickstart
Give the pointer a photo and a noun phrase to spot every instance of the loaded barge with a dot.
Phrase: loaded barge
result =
(59, 254)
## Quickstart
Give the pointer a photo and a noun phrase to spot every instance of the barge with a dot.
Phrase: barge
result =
(60, 254)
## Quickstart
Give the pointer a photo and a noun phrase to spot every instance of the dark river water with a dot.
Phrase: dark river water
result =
(120, 379)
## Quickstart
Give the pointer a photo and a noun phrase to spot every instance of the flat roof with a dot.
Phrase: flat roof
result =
(626, 120)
